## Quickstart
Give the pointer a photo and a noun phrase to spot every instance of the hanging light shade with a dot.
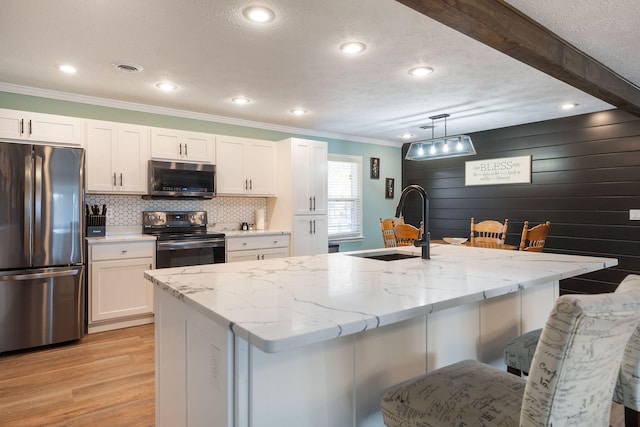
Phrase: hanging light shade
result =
(439, 148)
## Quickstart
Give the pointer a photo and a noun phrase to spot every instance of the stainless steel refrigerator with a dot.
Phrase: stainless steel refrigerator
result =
(41, 245)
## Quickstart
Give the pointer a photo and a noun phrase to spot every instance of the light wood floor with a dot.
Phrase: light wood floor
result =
(106, 379)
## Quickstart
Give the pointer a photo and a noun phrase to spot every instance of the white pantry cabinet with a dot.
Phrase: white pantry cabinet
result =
(119, 295)
(301, 205)
(310, 176)
(245, 166)
(182, 146)
(117, 157)
(257, 247)
(38, 127)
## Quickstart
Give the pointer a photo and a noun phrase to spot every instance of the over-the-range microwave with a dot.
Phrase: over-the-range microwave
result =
(176, 179)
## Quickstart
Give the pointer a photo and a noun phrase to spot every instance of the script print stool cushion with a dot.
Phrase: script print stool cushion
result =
(571, 381)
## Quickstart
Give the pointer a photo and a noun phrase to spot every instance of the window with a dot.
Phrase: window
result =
(345, 197)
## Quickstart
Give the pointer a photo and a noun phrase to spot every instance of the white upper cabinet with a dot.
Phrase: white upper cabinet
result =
(117, 158)
(309, 177)
(182, 146)
(37, 127)
(245, 166)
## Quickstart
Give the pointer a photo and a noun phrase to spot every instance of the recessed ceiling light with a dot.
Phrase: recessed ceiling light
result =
(259, 14)
(420, 71)
(569, 106)
(240, 100)
(167, 86)
(406, 135)
(352, 48)
(299, 111)
(66, 68)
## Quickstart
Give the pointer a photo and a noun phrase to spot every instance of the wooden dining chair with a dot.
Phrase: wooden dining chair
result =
(533, 239)
(388, 236)
(406, 234)
(519, 354)
(489, 231)
(571, 381)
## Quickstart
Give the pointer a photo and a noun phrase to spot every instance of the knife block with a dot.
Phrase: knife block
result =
(96, 225)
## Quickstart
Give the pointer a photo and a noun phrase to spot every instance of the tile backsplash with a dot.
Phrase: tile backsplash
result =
(224, 212)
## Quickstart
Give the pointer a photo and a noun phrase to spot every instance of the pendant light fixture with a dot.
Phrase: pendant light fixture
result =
(439, 148)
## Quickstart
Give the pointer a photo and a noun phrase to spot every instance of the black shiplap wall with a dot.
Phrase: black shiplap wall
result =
(585, 178)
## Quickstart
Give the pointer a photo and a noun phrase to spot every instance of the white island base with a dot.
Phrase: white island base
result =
(209, 376)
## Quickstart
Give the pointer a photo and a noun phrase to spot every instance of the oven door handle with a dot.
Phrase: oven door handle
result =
(173, 245)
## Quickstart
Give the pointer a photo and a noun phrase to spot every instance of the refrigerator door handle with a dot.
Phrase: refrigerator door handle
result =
(38, 207)
(41, 275)
(28, 196)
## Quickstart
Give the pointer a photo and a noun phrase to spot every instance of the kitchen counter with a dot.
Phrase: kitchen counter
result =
(316, 340)
(110, 238)
(241, 233)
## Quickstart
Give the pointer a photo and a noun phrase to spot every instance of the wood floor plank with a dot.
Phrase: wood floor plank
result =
(105, 379)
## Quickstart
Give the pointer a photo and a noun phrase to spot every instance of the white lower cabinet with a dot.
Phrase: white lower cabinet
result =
(310, 235)
(119, 295)
(252, 248)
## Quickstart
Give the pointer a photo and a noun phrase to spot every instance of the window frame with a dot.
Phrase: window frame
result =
(355, 235)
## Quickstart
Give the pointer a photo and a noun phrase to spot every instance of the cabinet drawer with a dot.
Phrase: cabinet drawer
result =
(100, 252)
(257, 242)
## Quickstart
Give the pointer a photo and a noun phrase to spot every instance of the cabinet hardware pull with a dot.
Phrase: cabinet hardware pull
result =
(120, 179)
(124, 251)
(114, 179)
(30, 128)
(310, 229)
(246, 184)
(185, 149)
(21, 126)
(314, 226)
(181, 148)
(310, 204)
(262, 256)
(150, 267)
(250, 184)
(258, 256)
(314, 203)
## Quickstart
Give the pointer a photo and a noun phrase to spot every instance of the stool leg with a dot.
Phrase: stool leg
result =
(631, 417)
(514, 371)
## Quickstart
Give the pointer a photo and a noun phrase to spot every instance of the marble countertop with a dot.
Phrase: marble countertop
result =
(280, 304)
(250, 233)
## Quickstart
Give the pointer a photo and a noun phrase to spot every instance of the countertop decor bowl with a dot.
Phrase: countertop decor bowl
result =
(455, 240)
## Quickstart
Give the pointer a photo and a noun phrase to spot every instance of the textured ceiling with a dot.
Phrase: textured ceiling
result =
(214, 54)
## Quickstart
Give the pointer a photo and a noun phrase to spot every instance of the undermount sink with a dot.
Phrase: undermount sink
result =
(385, 256)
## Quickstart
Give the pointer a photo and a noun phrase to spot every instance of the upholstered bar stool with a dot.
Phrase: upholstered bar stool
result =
(518, 356)
(572, 379)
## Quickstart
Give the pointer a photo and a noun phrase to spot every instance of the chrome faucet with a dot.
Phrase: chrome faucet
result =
(421, 241)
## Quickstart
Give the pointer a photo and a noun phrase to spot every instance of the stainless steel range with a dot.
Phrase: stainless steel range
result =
(182, 238)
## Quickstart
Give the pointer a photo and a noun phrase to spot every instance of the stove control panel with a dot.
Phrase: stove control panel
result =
(159, 219)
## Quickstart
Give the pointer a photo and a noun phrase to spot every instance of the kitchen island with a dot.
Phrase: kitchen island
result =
(315, 340)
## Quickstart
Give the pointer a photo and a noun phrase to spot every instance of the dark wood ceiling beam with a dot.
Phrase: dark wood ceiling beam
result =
(507, 30)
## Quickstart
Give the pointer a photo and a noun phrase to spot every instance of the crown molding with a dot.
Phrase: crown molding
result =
(145, 108)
